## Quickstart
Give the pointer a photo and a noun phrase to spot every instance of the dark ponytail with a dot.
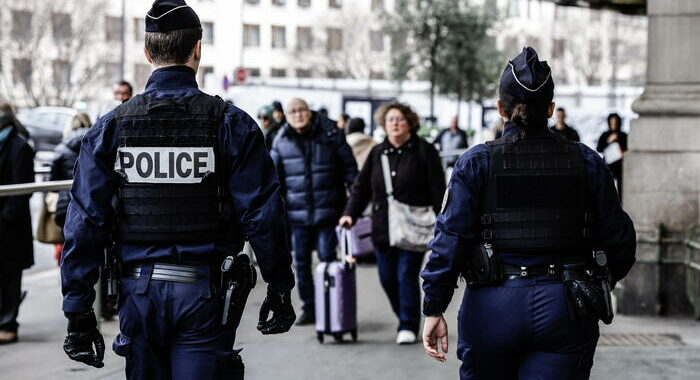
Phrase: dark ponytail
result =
(530, 116)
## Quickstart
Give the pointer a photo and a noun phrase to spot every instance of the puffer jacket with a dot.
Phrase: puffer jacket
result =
(66, 153)
(315, 170)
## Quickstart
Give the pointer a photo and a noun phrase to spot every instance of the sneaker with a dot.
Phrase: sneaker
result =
(307, 317)
(7, 337)
(405, 337)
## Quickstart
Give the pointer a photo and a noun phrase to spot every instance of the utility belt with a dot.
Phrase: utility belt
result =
(588, 280)
(234, 278)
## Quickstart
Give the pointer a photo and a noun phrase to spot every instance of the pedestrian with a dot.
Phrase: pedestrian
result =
(315, 167)
(9, 112)
(562, 129)
(278, 113)
(521, 228)
(343, 121)
(191, 179)
(417, 180)
(451, 138)
(359, 142)
(16, 241)
(613, 144)
(122, 91)
(268, 124)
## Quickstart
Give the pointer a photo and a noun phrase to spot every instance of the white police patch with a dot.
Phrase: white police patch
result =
(165, 165)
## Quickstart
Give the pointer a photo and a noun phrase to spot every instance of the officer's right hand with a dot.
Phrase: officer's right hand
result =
(345, 221)
(283, 316)
(434, 331)
(82, 335)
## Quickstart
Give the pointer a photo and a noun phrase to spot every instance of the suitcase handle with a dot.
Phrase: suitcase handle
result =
(346, 246)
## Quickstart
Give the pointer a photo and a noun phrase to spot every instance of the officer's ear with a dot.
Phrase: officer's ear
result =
(500, 109)
(197, 52)
(550, 110)
(148, 55)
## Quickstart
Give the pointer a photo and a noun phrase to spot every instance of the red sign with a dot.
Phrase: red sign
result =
(241, 75)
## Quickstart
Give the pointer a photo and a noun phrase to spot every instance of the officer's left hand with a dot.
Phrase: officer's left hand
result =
(586, 302)
(434, 331)
(283, 315)
(82, 335)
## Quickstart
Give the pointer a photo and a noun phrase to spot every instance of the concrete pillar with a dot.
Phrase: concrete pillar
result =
(662, 168)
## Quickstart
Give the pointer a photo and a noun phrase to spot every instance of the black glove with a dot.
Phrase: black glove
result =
(283, 316)
(585, 298)
(82, 334)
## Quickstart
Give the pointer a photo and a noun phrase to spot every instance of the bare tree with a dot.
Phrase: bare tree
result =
(54, 50)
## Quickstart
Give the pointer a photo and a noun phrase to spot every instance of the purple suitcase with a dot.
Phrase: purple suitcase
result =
(360, 238)
(336, 298)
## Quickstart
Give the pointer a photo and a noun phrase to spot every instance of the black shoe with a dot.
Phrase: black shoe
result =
(307, 317)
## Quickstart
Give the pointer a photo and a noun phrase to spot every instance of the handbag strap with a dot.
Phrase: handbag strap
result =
(387, 176)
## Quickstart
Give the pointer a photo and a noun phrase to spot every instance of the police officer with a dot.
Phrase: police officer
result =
(191, 178)
(521, 219)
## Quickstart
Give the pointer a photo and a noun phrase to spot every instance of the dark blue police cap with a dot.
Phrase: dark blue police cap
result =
(528, 78)
(167, 15)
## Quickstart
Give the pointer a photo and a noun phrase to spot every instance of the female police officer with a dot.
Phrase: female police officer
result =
(521, 218)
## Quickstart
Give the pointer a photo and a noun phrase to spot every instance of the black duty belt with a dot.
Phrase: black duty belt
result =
(515, 271)
(165, 272)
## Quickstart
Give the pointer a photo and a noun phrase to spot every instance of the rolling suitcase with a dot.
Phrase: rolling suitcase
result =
(336, 296)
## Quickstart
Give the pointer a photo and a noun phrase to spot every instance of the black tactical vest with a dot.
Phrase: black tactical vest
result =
(168, 159)
(536, 200)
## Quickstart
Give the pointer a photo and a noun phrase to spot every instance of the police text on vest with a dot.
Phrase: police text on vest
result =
(164, 165)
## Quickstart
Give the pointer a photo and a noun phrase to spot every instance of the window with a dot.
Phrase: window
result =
(595, 51)
(513, 9)
(279, 37)
(208, 33)
(335, 4)
(279, 3)
(376, 75)
(139, 29)
(334, 74)
(113, 28)
(141, 74)
(304, 3)
(278, 73)
(205, 77)
(595, 15)
(253, 71)
(61, 25)
(376, 40)
(251, 35)
(511, 46)
(61, 73)
(558, 48)
(377, 5)
(303, 73)
(22, 71)
(252, 2)
(112, 72)
(335, 39)
(21, 24)
(304, 38)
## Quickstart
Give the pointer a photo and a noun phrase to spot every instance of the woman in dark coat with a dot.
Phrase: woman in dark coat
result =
(16, 241)
(614, 135)
(418, 180)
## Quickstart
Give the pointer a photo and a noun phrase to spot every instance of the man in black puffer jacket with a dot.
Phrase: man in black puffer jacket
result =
(315, 166)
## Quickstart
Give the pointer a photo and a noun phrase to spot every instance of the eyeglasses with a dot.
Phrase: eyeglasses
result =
(117, 92)
(263, 118)
(397, 119)
(297, 110)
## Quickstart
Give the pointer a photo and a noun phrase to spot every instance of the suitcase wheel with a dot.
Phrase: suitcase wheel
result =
(319, 336)
(338, 337)
(353, 335)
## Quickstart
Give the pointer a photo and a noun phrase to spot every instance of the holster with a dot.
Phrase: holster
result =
(588, 290)
(484, 267)
(111, 271)
(238, 278)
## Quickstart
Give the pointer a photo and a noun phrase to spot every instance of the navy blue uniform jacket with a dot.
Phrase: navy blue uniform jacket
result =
(458, 227)
(251, 180)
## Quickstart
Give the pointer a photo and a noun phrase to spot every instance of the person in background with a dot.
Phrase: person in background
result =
(562, 129)
(16, 241)
(11, 119)
(418, 180)
(360, 143)
(268, 124)
(278, 113)
(315, 168)
(451, 138)
(343, 121)
(614, 135)
(122, 91)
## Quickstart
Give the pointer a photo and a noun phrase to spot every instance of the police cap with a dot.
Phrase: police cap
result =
(167, 15)
(528, 78)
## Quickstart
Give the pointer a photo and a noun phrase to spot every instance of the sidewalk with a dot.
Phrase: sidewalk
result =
(297, 354)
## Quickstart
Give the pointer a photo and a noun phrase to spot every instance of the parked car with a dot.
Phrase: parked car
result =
(46, 125)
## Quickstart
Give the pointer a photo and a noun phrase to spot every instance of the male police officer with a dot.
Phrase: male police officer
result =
(191, 178)
(543, 205)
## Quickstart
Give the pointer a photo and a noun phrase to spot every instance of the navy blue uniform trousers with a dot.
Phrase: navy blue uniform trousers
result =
(172, 330)
(521, 330)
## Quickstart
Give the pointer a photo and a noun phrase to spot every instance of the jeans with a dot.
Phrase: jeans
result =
(304, 240)
(398, 273)
(10, 296)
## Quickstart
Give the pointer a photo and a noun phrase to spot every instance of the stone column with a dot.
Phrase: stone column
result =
(662, 168)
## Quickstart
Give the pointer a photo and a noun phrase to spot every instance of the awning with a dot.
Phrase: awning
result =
(624, 6)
